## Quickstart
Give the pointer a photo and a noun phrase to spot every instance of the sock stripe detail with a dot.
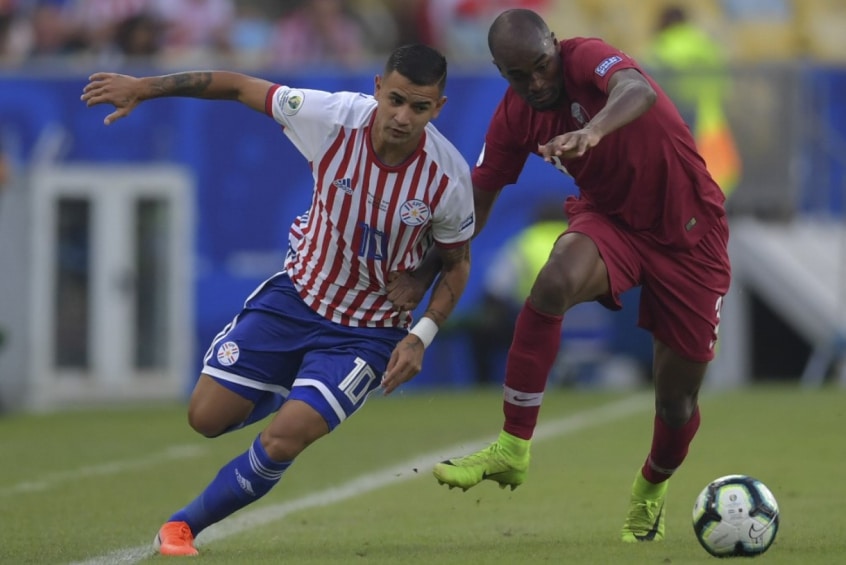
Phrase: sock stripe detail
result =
(519, 398)
(262, 470)
(658, 469)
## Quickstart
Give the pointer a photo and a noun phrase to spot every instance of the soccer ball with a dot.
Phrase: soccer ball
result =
(735, 516)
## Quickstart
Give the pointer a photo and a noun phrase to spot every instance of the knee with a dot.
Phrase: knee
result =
(282, 447)
(676, 412)
(214, 409)
(205, 423)
(292, 430)
(553, 290)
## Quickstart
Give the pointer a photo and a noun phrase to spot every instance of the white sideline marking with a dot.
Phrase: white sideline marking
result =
(51, 480)
(401, 472)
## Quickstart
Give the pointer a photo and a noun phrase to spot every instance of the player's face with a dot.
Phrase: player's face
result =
(404, 108)
(533, 69)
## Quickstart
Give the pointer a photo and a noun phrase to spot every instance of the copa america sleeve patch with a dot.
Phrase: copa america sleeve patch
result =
(292, 101)
(603, 67)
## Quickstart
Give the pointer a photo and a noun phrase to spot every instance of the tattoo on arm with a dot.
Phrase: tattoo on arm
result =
(451, 258)
(453, 298)
(438, 317)
(193, 84)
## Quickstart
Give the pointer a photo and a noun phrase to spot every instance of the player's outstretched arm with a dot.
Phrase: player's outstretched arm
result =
(407, 358)
(629, 96)
(125, 92)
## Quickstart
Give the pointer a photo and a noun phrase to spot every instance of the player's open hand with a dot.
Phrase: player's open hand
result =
(569, 145)
(121, 91)
(404, 291)
(406, 361)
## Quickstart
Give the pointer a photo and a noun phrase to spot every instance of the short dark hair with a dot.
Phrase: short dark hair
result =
(421, 64)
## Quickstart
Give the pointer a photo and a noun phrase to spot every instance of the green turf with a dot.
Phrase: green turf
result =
(80, 485)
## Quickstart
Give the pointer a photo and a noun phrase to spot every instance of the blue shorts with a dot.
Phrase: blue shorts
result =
(278, 345)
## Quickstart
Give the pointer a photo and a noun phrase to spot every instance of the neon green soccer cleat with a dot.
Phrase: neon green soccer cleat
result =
(505, 461)
(645, 520)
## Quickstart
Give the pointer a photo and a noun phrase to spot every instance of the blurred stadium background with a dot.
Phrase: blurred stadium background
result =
(125, 249)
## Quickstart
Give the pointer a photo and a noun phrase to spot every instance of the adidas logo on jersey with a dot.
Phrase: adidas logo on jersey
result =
(344, 184)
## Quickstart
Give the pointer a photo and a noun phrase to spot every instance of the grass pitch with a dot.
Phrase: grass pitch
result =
(94, 486)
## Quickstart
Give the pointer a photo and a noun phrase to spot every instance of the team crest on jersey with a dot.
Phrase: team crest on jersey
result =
(414, 212)
(292, 102)
(227, 353)
(579, 113)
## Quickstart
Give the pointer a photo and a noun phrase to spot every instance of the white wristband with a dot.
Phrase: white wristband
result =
(425, 329)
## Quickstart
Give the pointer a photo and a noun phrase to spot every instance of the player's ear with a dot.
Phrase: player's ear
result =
(377, 85)
(498, 68)
(438, 106)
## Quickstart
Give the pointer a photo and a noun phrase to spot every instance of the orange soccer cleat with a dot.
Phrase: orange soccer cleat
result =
(175, 538)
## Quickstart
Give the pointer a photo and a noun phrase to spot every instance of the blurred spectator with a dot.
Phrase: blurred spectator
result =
(7, 17)
(380, 24)
(195, 28)
(318, 32)
(138, 37)
(688, 59)
(489, 325)
(692, 68)
(410, 21)
(250, 33)
(93, 25)
(459, 28)
(50, 36)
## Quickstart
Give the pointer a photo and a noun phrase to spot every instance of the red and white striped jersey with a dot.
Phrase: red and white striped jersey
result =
(366, 218)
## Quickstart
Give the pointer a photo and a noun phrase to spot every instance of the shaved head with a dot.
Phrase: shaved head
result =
(527, 55)
(518, 28)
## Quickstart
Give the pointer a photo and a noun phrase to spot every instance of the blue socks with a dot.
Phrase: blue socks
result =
(240, 482)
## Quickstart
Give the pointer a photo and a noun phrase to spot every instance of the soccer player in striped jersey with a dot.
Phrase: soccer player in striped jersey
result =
(316, 339)
(648, 214)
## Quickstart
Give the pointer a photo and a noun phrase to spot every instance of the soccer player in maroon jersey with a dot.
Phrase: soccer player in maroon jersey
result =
(648, 214)
(316, 339)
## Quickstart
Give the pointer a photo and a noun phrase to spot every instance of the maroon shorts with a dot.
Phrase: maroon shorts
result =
(682, 290)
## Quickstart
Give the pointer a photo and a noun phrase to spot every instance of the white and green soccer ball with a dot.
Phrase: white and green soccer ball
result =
(735, 516)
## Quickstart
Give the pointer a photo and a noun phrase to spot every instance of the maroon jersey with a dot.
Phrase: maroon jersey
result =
(647, 174)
